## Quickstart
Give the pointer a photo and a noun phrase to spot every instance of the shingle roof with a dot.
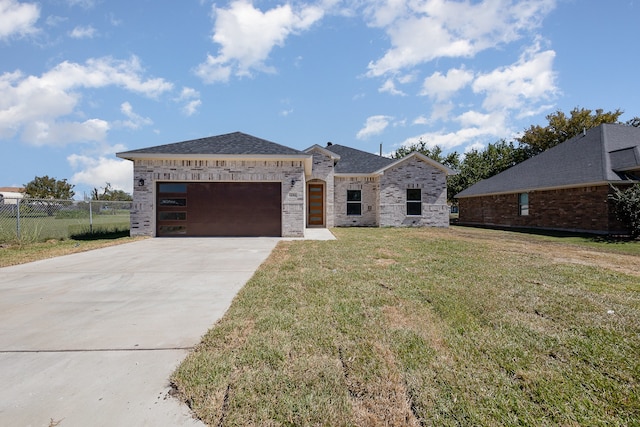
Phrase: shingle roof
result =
(236, 143)
(594, 157)
(357, 161)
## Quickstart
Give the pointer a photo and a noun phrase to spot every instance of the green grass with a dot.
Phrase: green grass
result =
(20, 253)
(42, 228)
(426, 327)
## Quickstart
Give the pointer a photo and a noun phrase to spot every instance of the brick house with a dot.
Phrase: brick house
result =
(565, 188)
(239, 185)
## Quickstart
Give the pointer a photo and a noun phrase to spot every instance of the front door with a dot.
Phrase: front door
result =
(316, 205)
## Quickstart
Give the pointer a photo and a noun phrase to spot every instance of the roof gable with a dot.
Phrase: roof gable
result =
(323, 151)
(582, 160)
(231, 144)
(353, 161)
(422, 158)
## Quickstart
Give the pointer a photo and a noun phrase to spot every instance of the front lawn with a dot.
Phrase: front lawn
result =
(426, 327)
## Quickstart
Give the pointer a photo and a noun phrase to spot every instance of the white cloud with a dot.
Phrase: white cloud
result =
(530, 80)
(389, 87)
(375, 125)
(18, 19)
(191, 107)
(423, 30)
(96, 171)
(441, 87)
(475, 128)
(58, 133)
(247, 35)
(37, 106)
(86, 4)
(191, 99)
(420, 120)
(134, 121)
(81, 32)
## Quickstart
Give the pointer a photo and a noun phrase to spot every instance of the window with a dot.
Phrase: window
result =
(172, 187)
(414, 201)
(523, 204)
(354, 202)
(172, 216)
(172, 201)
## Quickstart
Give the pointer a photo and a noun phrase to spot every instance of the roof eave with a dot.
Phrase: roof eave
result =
(357, 175)
(305, 158)
(324, 151)
(166, 156)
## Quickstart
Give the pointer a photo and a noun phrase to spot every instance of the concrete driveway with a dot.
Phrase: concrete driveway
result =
(91, 339)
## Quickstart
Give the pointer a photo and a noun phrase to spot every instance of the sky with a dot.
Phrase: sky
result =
(81, 80)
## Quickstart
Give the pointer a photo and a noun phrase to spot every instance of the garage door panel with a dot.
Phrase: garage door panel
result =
(230, 209)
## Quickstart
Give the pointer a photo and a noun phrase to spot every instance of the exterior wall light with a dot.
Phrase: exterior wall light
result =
(141, 182)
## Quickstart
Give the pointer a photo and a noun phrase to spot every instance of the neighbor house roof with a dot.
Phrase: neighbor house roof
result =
(607, 153)
(227, 145)
(354, 161)
(11, 190)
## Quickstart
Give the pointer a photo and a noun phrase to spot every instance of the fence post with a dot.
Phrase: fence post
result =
(90, 218)
(18, 219)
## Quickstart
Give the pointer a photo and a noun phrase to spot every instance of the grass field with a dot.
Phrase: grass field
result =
(41, 228)
(427, 327)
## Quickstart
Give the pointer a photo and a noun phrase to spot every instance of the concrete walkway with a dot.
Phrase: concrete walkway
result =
(91, 339)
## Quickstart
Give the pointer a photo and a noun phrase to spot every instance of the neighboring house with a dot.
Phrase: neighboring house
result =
(10, 195)
(565, 188)
(239, 185)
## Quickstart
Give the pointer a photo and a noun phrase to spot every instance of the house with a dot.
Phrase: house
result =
(565, 188)
(10, 195)
(240, 185)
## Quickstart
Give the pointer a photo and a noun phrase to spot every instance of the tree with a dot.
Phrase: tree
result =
(43, 187)
(478, 165)
(627, 205)
(451, 160)
(47, 190)
(110, 194)
(537, 139)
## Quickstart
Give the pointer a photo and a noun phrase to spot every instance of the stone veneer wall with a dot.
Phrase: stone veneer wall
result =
(153, 171)
(323, 170)
(414, 173)
(370, 201)
(582, 209)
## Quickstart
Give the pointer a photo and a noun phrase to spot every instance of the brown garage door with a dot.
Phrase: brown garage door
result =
(219, 209)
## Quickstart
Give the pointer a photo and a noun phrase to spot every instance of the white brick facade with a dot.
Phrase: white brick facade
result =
(413, 174)
(369, 186)
(382, 182)
(153, 171)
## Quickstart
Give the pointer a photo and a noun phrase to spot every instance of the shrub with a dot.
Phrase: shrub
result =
(627, 204)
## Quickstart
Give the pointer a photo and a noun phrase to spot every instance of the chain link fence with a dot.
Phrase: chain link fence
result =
(36, 220)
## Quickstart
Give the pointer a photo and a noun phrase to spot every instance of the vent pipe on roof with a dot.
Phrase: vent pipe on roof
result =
(329, 144)
(381, 149)
(584, 131)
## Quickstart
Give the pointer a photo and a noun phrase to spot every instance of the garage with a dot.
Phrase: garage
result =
(217, 209)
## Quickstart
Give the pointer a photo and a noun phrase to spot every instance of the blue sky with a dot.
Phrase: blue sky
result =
(83, 79)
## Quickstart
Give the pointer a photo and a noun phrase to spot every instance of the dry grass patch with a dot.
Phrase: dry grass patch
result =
(454, 327)
(16, 253)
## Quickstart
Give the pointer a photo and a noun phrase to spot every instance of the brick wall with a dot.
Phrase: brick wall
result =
(152, 171)
(323, 170)
(583, 209)
(370, 201)
(414, 173)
